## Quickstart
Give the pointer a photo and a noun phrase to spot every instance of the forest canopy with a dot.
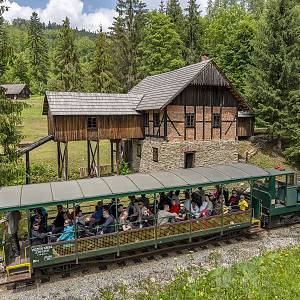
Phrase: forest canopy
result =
(255, 42)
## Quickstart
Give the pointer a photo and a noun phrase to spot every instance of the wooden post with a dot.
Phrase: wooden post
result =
(58, 160)
(155, 214)
(98, 158)
(222, 198)
(190, 223)
(112, 155)
(27, 167)
(89, 157)
(66, 159)
(118, 155)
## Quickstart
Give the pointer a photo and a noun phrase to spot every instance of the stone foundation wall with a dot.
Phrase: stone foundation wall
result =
(171, 154)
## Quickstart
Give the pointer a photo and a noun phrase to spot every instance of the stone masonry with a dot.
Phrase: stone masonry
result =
(171, 154)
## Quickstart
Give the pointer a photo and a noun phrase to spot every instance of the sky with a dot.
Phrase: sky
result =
(83, 14)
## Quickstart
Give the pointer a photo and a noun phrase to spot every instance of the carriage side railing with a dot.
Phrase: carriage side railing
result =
(154, 234)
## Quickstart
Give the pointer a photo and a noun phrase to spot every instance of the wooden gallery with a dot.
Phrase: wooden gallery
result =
(189, 117)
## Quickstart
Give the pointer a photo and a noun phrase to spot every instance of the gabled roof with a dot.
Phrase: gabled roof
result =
(72, 103)
(159, 90)
(13, 89)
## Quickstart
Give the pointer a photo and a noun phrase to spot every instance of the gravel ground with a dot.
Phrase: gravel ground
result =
(162, 270)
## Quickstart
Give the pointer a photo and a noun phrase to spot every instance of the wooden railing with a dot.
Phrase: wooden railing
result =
(122, 238)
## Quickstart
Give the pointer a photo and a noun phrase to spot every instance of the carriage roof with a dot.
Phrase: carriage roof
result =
(53, 193)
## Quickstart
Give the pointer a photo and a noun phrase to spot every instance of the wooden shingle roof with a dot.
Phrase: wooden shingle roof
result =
(159, 90)
(13, 89)
(72, 103)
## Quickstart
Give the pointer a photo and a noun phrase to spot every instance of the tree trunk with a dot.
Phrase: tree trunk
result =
(279, 144)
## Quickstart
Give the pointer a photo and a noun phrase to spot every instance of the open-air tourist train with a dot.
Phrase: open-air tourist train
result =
(272, 199)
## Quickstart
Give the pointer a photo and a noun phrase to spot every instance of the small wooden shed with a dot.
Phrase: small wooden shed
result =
(16, 91)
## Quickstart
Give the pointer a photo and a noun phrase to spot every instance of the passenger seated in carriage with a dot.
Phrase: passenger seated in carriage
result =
(58, 223)
(243, 203)
(176, 197)
(199, 195)
(132, 209)
(145, 200)
(123, 220)
(195, 210)
(38, 237)
(187, 201)
(175, 206)
(97, 216)
(141, 209)
(38, 217)
(217, 205)
(183, 213)
(206, 208)
(109, 225)
(75, 212)
(234, 198)
(68, 233)
(164, 199)
(165, 216)
(147, 218)
(217, 192)
(113, 207)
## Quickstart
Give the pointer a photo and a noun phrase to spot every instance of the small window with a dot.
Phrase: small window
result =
(155, 154)
(92, 123)
(156, 120)
(190, 120)
(216, 121)
(146, 119)
(139, 150)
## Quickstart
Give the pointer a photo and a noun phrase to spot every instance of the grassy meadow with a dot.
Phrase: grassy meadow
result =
(274, 275)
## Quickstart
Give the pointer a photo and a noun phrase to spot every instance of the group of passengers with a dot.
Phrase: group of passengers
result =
(139, 213)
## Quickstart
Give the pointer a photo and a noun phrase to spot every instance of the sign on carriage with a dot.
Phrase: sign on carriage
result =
(41, 254)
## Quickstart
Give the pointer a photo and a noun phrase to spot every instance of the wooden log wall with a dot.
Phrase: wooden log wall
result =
(74, 128)
(203, 102)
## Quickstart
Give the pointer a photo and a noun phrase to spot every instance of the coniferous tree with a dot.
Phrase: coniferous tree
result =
(103, 80)
(4, 47)
(126, 35)
(273, 84)
(210, 7)
(10, 118)
(162, 7)
(161, 48)
(174, 11)
(67, 69)
(38, 54)
(194, 30)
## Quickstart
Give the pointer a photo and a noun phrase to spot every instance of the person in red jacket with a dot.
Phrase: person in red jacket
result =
(234, 198)
(175, 208)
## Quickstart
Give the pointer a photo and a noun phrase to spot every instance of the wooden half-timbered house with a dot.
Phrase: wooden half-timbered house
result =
(183, 118)
(192, 116)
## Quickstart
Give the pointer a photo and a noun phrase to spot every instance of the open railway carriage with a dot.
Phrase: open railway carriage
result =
(261, 196)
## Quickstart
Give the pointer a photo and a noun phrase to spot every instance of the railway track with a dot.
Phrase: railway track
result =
(111, 262)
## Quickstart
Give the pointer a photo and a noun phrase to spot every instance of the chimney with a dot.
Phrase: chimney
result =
(205, 56)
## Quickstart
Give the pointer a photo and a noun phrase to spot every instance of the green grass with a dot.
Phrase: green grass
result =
(35, 127)
(275, 275)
